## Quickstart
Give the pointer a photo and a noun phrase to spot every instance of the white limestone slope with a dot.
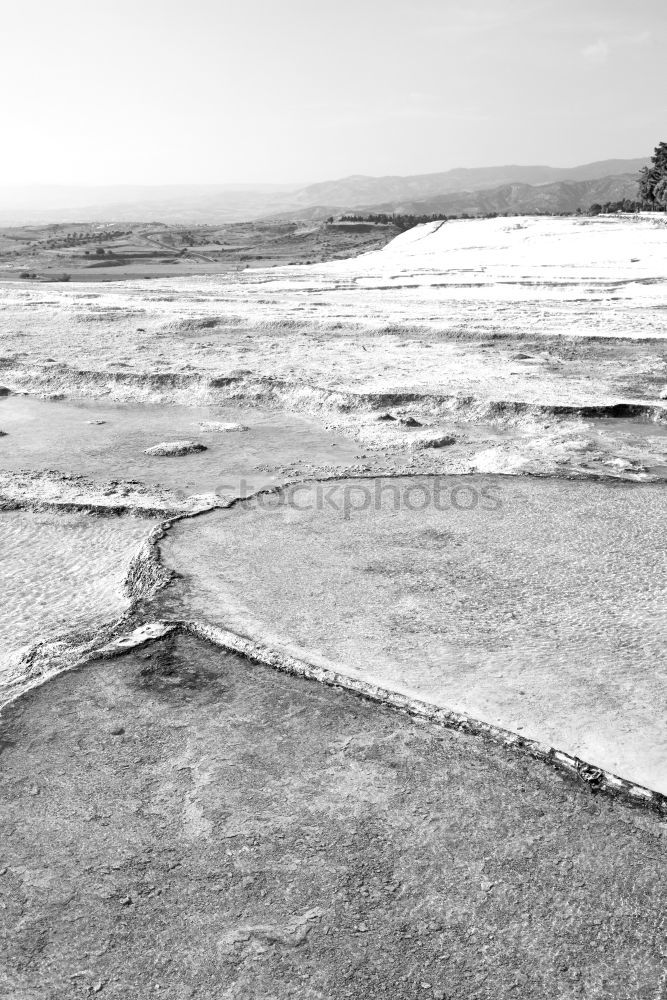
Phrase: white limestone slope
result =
(519, 257)
(603, 276)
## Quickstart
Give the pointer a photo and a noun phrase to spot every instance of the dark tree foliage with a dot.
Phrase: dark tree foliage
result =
(400, 221)
(612, 207)
(403, 222)
(653, 180)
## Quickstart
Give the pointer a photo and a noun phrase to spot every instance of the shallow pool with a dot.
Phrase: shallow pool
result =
(534, 604)
(61, 574)
(107, 441)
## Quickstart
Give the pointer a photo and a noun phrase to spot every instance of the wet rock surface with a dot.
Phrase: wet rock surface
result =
(533, 604)
(212, 844)
(175, 448)
(97, 447)
(218, 426)
(62, 575)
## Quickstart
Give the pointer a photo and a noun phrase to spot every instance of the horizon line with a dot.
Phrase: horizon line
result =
(295, 183)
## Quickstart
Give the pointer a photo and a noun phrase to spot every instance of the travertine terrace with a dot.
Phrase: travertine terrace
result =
(506, 645)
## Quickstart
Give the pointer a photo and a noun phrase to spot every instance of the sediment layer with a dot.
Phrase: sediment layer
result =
(287, 837)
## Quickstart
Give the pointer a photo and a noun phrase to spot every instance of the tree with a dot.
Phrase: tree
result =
(653, 180)
(660, 192)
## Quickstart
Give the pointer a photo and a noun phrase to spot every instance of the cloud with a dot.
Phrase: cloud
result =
(598, 52)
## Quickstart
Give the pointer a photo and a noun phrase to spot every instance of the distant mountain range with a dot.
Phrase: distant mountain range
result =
(352, 192)
(561, 196)
(476, 190)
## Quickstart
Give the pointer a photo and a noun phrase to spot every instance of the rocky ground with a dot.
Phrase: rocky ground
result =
(229, 832)
(513, 361)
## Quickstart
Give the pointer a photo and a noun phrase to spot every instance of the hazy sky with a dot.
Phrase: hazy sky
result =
(215, 91)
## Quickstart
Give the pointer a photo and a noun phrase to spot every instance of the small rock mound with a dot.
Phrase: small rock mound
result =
(213, 426)
(434, 441)
(409, 422)
(169, 448)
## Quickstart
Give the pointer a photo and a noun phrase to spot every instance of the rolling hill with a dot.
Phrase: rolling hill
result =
(475, 190)
(356, 191)
(561, 196)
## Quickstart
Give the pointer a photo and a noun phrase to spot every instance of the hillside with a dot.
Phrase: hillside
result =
(357, 191)
(561, 196)
(113, 252)
(220, 204)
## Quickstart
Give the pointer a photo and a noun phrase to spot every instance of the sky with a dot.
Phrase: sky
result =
(297, 91)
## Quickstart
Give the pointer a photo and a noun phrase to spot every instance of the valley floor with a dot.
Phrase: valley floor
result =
(90, 252)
